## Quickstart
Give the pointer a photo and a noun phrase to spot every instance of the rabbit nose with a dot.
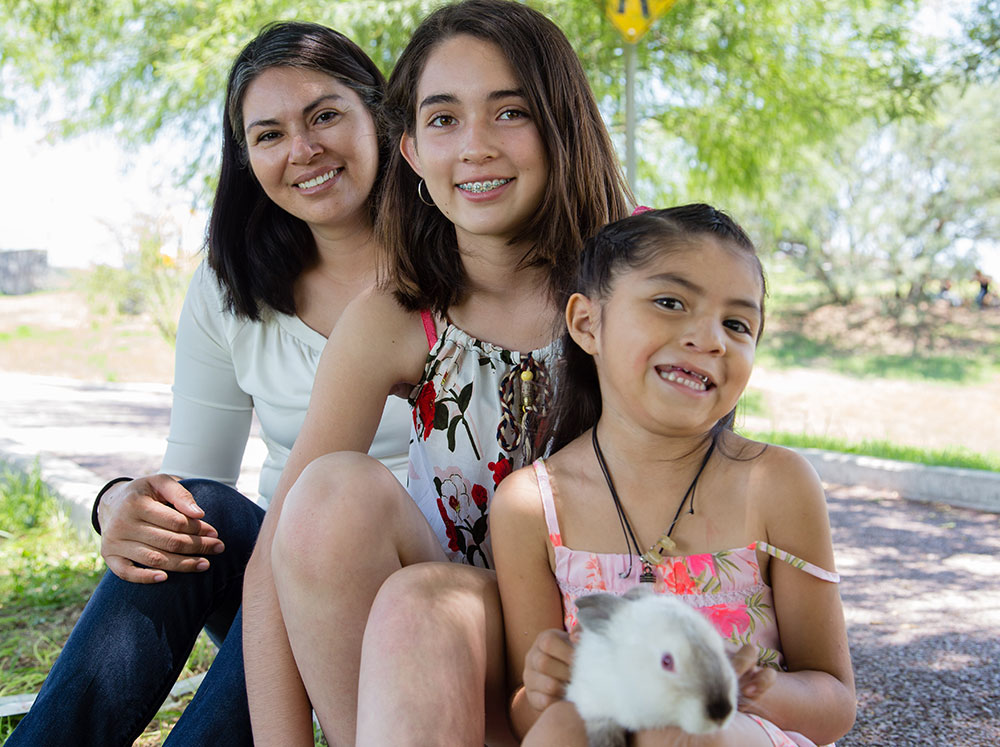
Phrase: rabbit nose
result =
(719, 709)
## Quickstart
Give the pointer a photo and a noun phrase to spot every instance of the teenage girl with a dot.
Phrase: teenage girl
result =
(503, 168)
(651, 485)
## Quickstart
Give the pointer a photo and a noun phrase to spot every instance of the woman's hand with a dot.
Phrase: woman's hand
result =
(547, 668)
(152, 525)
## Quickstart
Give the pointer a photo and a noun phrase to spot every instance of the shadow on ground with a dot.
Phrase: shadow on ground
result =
(921, 591)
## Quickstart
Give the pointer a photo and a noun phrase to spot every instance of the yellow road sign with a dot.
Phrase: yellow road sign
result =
(633, 18)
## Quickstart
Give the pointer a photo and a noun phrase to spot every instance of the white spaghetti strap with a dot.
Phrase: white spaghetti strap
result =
(548, 504)
(802, 565)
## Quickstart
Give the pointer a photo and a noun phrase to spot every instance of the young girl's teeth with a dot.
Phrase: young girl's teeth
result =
(478, 187)
(698, 383)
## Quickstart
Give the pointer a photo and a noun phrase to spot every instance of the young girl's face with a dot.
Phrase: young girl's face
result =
(674, 342)
(475, 143)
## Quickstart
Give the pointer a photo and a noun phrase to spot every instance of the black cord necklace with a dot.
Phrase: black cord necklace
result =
(654, 555)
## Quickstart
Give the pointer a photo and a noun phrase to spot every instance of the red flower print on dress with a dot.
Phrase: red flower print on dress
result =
(423, 409)
(449, 527)
(500, 469)
(731, 620)
(463, 507)
(676, 578)
(595, 580)
(479, 496)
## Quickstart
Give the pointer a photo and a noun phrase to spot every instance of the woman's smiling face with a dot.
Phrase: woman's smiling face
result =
(475, 142)
(312, 145)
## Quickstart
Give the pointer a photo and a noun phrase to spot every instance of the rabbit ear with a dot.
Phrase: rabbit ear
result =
(638, 592)
(595, 610)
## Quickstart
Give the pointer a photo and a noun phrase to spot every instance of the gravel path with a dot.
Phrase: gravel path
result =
(921, 591)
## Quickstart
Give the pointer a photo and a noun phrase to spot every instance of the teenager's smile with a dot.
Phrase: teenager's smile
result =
(475, 142)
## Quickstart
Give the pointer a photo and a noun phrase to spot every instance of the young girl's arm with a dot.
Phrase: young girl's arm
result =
(816, 695)
(375, 345)
(539, 652)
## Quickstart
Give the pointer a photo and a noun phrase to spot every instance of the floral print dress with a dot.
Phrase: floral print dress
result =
(476, 413)
(725, 586)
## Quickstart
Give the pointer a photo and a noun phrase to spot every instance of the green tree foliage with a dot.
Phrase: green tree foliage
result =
(731, 92)
(978, 51)
(803, 117)
(897, 207)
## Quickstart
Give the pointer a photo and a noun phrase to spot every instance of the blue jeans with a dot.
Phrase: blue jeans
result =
(132, 641)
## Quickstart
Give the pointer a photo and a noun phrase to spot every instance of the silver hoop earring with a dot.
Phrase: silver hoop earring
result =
(420, 191)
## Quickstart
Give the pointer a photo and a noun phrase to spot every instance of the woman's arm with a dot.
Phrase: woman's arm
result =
(816, 695)
(375, 346)
(539, 651)
(153, 521)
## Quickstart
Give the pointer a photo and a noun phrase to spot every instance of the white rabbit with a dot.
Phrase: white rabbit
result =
(648, 661)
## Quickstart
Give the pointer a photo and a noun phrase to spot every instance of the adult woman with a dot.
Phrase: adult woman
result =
(290, 244)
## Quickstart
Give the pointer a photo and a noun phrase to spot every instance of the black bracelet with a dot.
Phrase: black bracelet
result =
(97, 501)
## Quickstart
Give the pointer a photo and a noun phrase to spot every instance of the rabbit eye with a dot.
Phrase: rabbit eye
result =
(667, 662)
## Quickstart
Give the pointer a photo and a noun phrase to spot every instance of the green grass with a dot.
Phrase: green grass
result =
(791, 340)
(751, 403)
(953, 457)
(27, 332)
(47, 573)
(787, 349)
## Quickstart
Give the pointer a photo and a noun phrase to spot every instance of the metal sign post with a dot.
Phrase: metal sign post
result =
(633, 19)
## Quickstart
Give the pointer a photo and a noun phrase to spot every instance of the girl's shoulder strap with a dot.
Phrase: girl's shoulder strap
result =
(430, 329)
(796, 562)
(548, 504)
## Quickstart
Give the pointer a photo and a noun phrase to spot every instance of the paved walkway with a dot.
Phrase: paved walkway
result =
(921, 581)
(82, 434)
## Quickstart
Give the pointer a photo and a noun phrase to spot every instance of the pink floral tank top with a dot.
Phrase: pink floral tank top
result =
(725, 586)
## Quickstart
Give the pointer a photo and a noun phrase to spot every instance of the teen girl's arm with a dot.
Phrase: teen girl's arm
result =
(539, 651)
(816, 695)
(375, 346)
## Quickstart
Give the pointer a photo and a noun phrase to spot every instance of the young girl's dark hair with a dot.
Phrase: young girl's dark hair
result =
(256, 249)
(625, 245)
(585, 186)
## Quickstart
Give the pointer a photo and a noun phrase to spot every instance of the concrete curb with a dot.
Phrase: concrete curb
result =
(74, 485)
(965, 488)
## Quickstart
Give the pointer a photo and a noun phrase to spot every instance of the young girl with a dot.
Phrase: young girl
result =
(503, 168)
(652, 486)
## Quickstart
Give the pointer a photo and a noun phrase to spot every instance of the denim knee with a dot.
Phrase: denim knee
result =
(235, 517)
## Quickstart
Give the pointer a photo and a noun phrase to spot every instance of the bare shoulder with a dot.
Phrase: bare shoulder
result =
(788, 497)
(784, 468)
(516, 498)
(377, 330)
(517, 522)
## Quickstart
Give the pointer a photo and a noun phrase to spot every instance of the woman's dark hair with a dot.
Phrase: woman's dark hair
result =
(585, 186)
(620, 247)
(256, 249)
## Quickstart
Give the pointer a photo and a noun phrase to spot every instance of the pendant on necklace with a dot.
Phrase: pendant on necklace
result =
(646, 577)
(654, 555)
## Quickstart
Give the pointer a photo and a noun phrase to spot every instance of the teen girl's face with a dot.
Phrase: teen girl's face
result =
(475, 143)
(312, 146)
(674, 343)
